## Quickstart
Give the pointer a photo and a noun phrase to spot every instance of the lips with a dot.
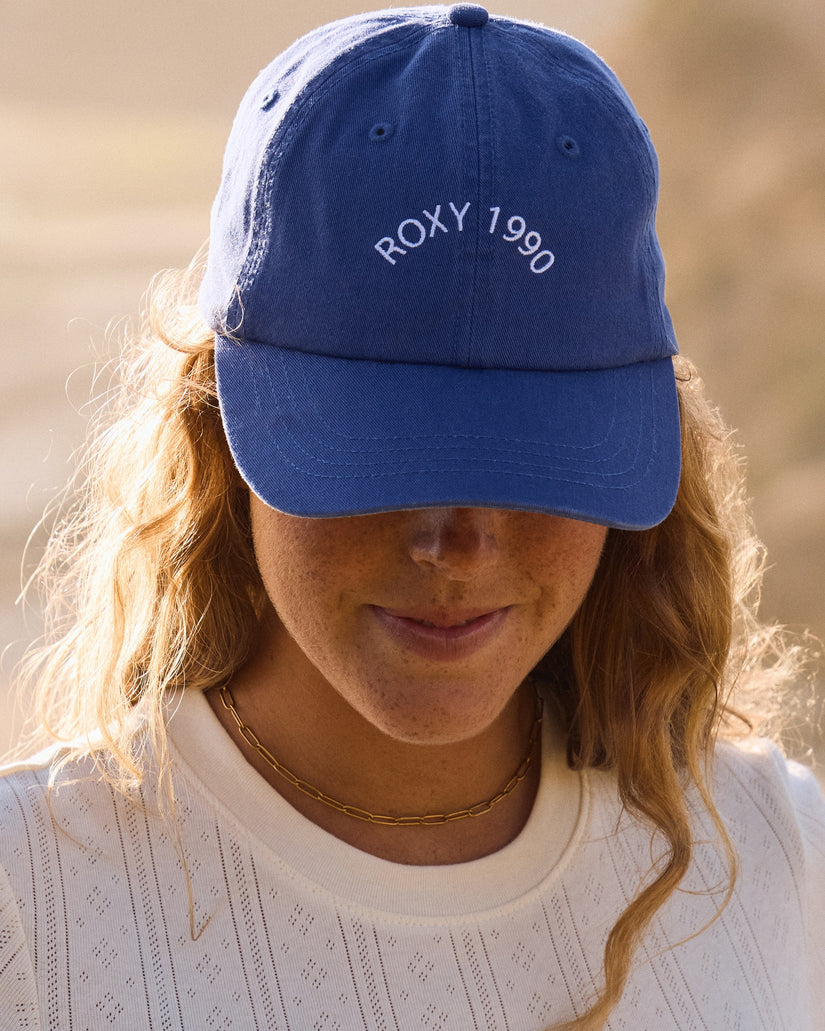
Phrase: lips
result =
(443, 619)
(445, 626)
(443, 635)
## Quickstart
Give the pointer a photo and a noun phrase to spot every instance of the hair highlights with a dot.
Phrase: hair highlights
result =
(150, 584)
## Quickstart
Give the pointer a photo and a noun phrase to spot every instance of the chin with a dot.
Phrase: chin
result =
(434, 713)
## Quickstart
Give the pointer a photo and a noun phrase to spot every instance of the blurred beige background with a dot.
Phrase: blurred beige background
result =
(113, 118)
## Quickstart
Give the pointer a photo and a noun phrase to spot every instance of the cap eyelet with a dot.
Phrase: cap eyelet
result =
(568, 146)
(270, 99)
(381, 131)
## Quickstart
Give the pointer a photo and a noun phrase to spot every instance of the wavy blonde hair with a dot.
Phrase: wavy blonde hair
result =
(150, 584)
(647, 672)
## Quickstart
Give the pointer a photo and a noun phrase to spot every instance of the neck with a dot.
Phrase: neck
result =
(310, 729)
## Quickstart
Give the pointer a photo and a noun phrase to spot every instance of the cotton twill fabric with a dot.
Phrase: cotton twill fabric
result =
(416, 209)
(384, 444)
(292, 929)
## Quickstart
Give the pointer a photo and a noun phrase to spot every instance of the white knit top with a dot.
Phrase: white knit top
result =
(279, 925)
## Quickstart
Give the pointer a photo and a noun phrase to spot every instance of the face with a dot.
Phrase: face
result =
(425, 622)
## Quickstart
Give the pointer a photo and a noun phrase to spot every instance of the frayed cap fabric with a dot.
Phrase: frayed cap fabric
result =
(435, 279)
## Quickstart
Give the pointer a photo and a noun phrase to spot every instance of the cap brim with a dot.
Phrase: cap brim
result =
(319, 436)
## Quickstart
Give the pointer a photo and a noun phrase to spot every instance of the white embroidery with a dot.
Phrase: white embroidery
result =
(459, 215)
(434, 219)
(412, 222)
(387, 246)
(516, 226)
(412, 233)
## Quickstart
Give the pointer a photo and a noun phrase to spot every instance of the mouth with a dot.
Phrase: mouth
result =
(441, 619)
(442, 635)
(445, 626)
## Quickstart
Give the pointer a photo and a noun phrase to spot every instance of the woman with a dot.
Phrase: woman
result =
(393, 636)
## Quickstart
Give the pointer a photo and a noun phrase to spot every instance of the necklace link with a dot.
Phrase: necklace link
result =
(383, 819)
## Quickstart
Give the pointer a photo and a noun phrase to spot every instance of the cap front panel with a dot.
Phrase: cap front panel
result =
(369, 205)
(460, 196)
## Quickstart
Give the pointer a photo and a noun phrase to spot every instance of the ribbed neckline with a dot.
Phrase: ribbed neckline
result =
(507, 878)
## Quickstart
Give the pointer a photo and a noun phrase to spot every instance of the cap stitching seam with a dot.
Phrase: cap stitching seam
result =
(626, 113)
(453, 436)
(460, 307)
(560, 459)
(556, 474)
(473, 91)
(295, 117)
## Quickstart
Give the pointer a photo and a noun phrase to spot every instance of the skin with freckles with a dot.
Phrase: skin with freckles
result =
(390, 668)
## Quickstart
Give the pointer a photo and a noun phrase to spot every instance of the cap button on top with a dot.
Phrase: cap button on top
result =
(469, 16)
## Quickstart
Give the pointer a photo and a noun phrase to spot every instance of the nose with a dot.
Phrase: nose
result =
(457, 542)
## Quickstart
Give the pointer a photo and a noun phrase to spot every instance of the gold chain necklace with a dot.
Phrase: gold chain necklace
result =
(428, 819)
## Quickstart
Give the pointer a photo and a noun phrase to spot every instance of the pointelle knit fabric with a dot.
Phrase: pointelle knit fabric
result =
(241, 914)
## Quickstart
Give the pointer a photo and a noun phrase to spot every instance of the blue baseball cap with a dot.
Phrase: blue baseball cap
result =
(435, 280)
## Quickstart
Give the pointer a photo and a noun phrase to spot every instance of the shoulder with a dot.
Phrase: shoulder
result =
(774, 811)
(22, 786)
(753, 779)
(771, 806)
(42, 798)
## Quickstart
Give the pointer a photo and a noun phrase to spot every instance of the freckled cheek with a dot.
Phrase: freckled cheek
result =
(311, 597)
(299, 591)
(564, 582)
